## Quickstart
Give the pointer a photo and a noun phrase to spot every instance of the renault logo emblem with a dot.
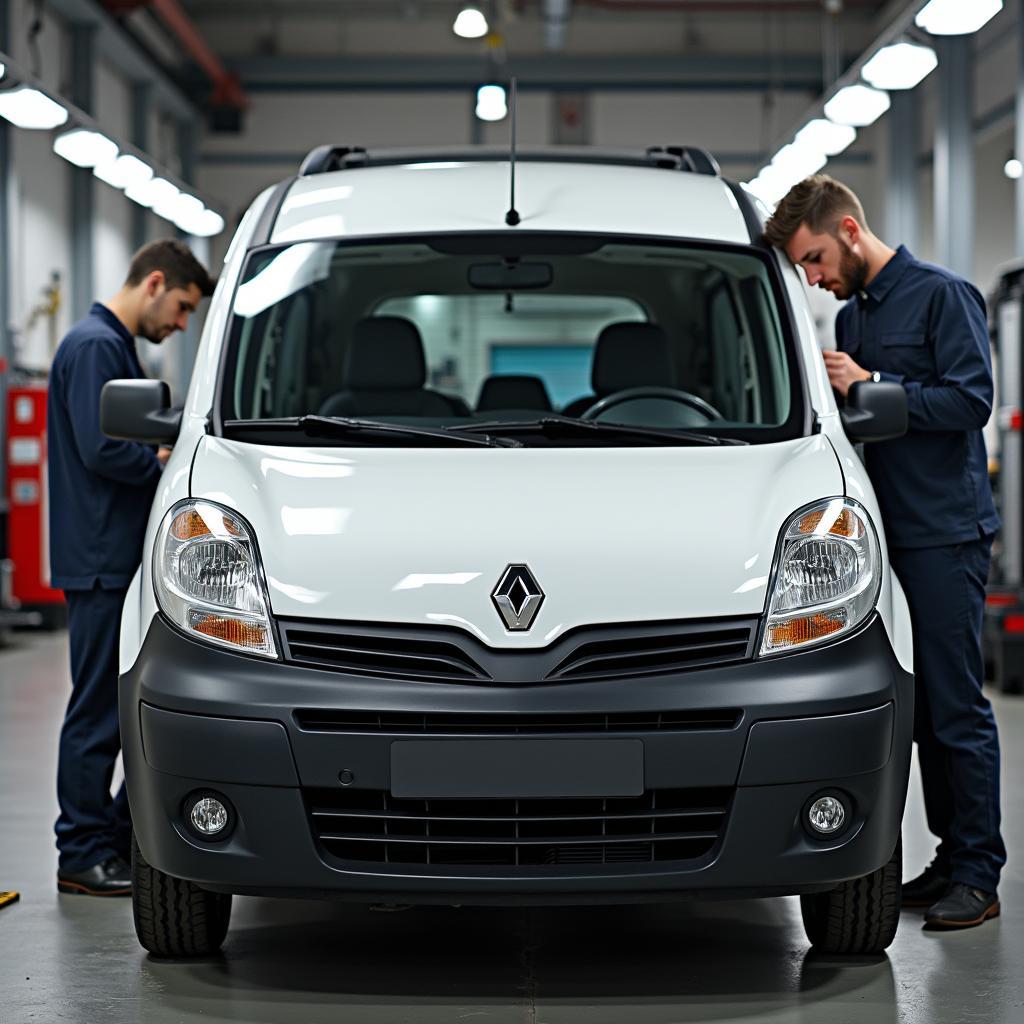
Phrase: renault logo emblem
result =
(517, 598)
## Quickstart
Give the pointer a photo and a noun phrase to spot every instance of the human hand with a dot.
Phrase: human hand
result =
(162, 455)
(843, 371)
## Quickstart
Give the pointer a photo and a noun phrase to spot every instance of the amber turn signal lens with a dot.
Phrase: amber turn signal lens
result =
(233, 631)
(846, 523)
(188, 525)
(793, 632)
(232, 527)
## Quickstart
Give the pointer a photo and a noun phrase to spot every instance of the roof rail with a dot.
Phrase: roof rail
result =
(684, 158)
(333, 158)
(693, 159)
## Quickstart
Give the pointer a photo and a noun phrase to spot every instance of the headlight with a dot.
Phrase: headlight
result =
(827, 576)
(208, 578)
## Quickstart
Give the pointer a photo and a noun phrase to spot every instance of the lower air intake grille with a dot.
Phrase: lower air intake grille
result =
(372, 826)
(513, 724)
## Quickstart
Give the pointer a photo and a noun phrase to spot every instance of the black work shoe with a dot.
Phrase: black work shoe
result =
(962, 907)
(113, 877)
(930, 886)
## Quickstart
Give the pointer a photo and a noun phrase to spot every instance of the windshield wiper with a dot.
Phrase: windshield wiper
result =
(344, 426)
(566, 426)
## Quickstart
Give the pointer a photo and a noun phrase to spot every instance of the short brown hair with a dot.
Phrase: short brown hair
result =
(820, 202)
(177, 262)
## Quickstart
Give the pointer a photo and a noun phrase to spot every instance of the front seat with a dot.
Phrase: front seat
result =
(513, 391)
(385, 371)
(627, 355)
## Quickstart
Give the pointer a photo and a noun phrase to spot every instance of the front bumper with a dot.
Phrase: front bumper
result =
(274, 739)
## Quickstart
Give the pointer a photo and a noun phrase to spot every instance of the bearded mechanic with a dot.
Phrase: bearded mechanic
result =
(924, 327)
(100, 492)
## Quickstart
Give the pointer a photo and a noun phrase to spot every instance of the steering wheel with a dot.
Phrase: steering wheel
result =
(637, 394)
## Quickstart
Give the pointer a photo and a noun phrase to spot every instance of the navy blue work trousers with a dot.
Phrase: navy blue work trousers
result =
(955, 730)
(92, 825)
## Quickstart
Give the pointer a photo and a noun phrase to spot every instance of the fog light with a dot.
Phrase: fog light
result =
(209, 817)
(826, 815)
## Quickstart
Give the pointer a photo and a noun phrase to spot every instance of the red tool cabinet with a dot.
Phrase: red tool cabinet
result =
(27, 524)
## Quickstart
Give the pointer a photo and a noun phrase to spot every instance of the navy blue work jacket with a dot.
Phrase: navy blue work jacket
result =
(100, 490)
(926, 328)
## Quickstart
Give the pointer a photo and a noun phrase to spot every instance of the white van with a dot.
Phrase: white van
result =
(512, 554)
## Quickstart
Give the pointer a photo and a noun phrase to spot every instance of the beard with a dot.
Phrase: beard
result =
(153, 333)
(853, 272)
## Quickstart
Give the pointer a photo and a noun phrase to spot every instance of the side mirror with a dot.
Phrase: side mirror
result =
(875, 412)
(139, 410)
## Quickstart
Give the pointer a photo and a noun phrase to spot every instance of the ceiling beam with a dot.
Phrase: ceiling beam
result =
(725, 72)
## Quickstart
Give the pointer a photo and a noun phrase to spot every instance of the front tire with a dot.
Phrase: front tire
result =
(175, 918)
(860, 916)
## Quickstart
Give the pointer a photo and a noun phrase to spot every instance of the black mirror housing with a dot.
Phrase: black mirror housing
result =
(875, 412)
(139, 410)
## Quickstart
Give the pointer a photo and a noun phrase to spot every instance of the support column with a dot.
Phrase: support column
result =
(1018, 151)
(188, 344)
(476, 126)
(901, 214)
(188, 150)
(83, 62)
(6, 341)
(954, 156)
(142, 103)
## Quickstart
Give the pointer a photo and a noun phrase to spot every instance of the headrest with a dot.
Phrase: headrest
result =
(513, 392)
(385, 354)
(631, 355)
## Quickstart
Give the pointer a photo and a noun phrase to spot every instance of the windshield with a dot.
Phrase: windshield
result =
(458, 332)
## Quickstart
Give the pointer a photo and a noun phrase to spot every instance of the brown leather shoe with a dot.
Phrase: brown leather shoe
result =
(112, 877)
(962, 907)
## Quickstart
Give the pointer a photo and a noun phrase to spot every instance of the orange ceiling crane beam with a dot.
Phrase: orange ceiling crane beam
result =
(227, 89)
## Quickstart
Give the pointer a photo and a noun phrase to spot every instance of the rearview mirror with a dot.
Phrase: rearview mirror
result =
(139, 410)
(510, 276)
(875, 412)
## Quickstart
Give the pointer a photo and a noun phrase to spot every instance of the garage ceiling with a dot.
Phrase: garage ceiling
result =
(696, 43)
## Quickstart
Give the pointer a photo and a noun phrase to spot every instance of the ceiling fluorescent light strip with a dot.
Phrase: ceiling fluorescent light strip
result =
(86, 146)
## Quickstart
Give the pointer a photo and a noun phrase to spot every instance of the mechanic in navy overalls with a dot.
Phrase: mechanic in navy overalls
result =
(924, 327)
(100, 491)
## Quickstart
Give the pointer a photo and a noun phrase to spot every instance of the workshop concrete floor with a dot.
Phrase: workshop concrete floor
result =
(74, 959)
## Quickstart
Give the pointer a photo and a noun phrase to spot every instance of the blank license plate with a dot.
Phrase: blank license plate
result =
(516, 768)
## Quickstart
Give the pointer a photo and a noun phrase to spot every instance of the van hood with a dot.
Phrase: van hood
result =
(424, 536)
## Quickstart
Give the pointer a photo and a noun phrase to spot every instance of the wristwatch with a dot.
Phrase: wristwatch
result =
(876, 377)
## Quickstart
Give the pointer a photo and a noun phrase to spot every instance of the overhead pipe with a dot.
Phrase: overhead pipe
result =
(227, 89)
(723, 6)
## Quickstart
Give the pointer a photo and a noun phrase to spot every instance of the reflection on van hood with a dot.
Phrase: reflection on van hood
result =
(424, 536)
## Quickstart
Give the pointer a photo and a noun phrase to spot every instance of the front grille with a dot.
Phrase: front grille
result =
(673, 652)
(447, 654)
(374, 827)
(510, 724)
(380, 655)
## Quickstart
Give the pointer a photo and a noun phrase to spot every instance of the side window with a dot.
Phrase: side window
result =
(726, 353)
(273, 354)
(748, 375)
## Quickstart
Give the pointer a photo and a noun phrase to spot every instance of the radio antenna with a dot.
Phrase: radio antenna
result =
(512, 218)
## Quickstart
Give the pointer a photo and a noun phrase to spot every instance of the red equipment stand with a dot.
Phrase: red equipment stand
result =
(27, 521)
